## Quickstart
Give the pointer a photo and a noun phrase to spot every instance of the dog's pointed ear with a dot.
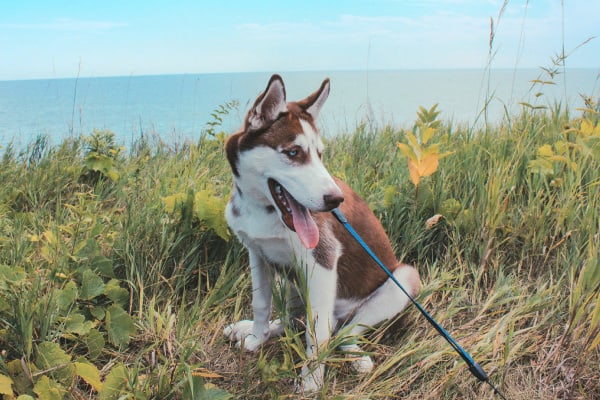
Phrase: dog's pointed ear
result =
(268, 105)
(313, 103)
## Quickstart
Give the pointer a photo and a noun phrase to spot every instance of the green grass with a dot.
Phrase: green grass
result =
(117, 276)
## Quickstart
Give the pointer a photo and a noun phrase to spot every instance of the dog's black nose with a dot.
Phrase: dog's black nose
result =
(332, 200)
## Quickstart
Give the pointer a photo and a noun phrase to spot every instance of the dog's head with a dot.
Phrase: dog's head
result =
(276, 159)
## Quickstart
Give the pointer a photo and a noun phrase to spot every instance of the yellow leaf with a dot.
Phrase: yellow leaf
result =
(434, 148)
(50, 237)
(573, 166)
(113, 174)
(413, 142)
(414, 173)
(446, 154)
(428, 165)
(6, 385)
(90, 374)
(562, 147)
(586, 127)
(170, 202)
(546, 151)
(407, 151)
(205, 373)
(428, 134)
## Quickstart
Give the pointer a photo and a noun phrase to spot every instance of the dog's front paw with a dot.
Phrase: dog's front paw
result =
(245, 334)
(239, 330)
(242, 334)
(311, 380)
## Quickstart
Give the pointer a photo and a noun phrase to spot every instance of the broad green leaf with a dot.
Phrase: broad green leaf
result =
(98, 162)
(116, 293)
(50, 356)
(77, 324)
(6, 385)
(92, 285)
(88, 248)
(119, 325)
(89, 373)
(104, 266)
(98, 312)
(196, 389)
(25, 397)
(193, 388)
(114, 384)
(212, 392)
(451, 207)
(11, 274)
(67, 296)
(48, 389)
(95, 343)
(21, 379)
(211, 210)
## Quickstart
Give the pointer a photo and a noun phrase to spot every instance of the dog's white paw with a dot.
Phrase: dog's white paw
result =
(239, 330)
(360, 362)
(362, 365)
(242, 333)
(311, 380)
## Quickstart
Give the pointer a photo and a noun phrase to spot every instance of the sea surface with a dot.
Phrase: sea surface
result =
(177, 108)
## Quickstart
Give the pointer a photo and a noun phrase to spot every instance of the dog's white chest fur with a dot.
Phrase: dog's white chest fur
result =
(263, 232)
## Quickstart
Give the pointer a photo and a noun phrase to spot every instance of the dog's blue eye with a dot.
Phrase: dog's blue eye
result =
(292, 153)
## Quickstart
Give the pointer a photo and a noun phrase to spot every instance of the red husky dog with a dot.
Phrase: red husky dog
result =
(279, 210)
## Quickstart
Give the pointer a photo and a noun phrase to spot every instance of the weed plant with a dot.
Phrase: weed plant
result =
(118, 274)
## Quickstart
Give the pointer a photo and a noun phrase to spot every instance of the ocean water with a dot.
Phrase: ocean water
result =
(177, 107)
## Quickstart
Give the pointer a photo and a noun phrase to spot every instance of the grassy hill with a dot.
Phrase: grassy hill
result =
(118, 274)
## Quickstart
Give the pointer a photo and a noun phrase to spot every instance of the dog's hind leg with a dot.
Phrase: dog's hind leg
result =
(386, 302)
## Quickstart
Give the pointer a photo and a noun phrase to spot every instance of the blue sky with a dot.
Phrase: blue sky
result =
(55, 39)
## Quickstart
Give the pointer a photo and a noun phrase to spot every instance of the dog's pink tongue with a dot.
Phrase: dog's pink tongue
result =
(305, 226)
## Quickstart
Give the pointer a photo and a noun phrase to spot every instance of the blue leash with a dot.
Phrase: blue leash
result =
(474, 367)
